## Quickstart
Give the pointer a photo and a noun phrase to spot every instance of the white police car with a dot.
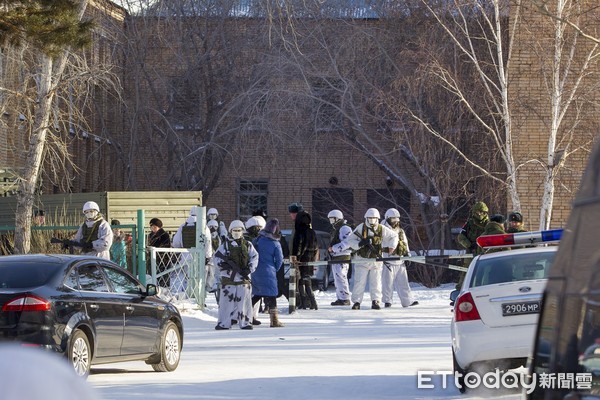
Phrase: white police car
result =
(497, 308)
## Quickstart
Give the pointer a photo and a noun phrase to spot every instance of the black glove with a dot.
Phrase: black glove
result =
(245, 272)
(65, 245)
(365, 242)
(86, 246)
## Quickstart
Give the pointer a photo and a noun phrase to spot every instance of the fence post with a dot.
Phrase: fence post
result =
(153, 265)
(141, 248)
(201, 254)
(293, 282)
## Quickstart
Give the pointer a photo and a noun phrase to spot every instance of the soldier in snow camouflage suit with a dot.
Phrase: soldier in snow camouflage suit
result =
(237, 259)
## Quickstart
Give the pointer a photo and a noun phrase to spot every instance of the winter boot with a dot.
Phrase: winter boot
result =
(339, 302)
(375, 305)
(275, 323)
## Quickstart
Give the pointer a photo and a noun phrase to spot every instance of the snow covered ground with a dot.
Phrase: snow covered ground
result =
(331, 353)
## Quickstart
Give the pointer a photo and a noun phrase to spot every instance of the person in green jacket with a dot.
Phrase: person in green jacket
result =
(473, 228)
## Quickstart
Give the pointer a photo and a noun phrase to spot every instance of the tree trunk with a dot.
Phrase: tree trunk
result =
(30, 178)
(50, 74)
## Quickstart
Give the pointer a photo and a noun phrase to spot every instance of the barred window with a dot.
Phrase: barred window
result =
(252, 196)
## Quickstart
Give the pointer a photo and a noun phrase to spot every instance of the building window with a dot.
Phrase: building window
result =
(252, 196)
(327, 199)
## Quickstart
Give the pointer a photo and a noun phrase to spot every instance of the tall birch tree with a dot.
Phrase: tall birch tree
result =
(52, 27)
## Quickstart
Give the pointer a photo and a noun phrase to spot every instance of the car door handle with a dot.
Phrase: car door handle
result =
(94, 306)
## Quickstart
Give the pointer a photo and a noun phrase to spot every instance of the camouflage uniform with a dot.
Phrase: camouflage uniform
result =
(473, 228)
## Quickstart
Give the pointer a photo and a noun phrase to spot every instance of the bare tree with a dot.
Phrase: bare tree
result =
(467, 23)
(51, 29)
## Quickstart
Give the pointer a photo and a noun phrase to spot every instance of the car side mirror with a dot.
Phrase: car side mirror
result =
(151, 289)
(453, 296)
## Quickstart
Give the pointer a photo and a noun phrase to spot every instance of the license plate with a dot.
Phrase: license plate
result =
(525, 307)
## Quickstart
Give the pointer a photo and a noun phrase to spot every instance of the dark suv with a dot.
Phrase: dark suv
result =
(566, 358)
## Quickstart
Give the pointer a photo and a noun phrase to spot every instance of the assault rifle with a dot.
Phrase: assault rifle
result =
(71, 244)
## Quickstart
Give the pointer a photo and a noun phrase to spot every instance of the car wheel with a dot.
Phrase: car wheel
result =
(459, 374)
(326, 278)
(170, 349)
(80, 353)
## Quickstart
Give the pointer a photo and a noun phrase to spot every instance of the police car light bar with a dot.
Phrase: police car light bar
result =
(521, 238)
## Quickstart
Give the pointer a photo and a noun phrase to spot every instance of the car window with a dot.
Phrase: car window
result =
(91, 279)
(512, 268)
(121, 282)
(15, 275)
(71, 280)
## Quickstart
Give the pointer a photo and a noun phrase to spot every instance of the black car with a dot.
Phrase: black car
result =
(89, 309)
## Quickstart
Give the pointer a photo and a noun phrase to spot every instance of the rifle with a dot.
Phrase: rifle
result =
(234, 269)
(70, 244)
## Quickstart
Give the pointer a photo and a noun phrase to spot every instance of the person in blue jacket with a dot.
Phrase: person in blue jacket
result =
(270, 259)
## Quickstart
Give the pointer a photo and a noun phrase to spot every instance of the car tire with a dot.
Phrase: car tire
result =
(324, 283)
(80, 353)
(170, 349)
(460, 380)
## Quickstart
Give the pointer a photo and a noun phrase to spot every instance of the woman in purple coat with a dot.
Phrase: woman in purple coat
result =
(270, 259)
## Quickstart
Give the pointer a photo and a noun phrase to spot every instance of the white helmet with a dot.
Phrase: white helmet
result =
(261, 221)
(236, 223)
(372, 217)
(212, 224)
(334, 216)
(194, 211)
(392, 213)
(372, 213)
(212, 211)
(252, 221)
(239, 228)
(91, 205)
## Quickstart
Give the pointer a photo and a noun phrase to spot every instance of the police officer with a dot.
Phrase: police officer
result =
(368, 239)
(340, 232)
(515, 223)
(393, 275)
(95, 234)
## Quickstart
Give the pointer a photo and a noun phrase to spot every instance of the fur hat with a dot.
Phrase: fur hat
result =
(499, 218)
(295, 208)
(515, 216)
(156, 222)
(272, 226)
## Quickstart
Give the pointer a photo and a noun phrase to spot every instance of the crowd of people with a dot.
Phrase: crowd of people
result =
(244, 262)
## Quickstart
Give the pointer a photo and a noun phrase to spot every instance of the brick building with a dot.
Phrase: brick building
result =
(199, 112)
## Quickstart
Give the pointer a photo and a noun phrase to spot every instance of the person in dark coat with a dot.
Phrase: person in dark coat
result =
(158, 237)
(270, 260)
(306, 249)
